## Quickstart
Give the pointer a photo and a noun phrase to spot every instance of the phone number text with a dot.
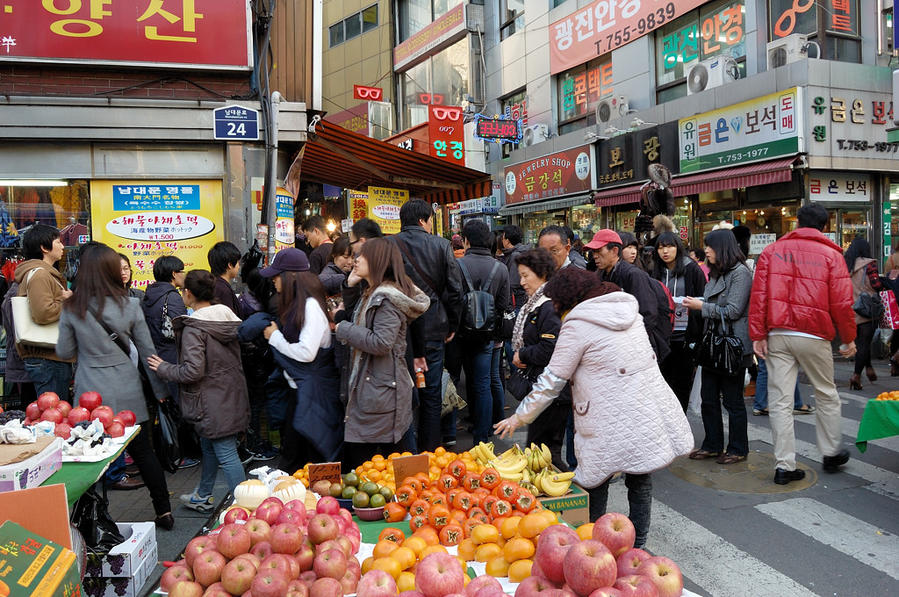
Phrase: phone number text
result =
(642, 27)
(862, 145)
(741, 156)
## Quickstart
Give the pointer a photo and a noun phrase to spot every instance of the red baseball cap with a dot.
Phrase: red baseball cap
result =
(602, 238)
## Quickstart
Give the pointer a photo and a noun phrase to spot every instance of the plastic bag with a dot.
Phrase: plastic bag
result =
(451, 398)
(165, 435)
(695, 405)
(90, 515)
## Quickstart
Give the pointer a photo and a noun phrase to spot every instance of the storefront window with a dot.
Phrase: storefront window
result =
(581, 88)
(585, 221)
(533, 223)
(512, 15)
(65, 205)
(841, 21)
(441, 79)
(847, 223)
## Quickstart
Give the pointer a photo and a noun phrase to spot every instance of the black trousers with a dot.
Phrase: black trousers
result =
(718, 388)
(677, 369)
(296, 450)
(864, 336)
(549, 429)
(639, 498)
(141, 450)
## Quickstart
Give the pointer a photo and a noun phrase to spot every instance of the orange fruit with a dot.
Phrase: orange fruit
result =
(484, 533)
(366, 564)
(466, 549)
(388, 565)
(532, 524)
(432, 549)
(487, 552)
(520, 570)
(405, 556)
(384, 548)
(416, 543)
(498, 566)
(549, 516)
(509, 527)
(405, 582)
(429, 534)
(518, 548)
(585, 531)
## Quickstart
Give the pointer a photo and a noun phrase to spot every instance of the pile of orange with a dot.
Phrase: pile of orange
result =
(894, 395)
(398, 555)
(380, 470)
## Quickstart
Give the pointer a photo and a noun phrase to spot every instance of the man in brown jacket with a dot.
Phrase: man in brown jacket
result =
(46, 290)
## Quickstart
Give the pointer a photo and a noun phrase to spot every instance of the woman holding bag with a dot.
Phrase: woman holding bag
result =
(100, 302)
(725, 303)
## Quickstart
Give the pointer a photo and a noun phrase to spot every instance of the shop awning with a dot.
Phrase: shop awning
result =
(544, 205)
(750, 175)
(337, 156)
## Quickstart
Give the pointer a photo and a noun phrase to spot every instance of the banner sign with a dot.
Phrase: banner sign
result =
(826, 185)
(438, 32)
(624, 159)
(846, 123)
(384, 207)
(446, 134)
(553, 175)
(146, 220)
(756, 130)
(605, 25)
(285, 233)
(208, 34)
(361, 92)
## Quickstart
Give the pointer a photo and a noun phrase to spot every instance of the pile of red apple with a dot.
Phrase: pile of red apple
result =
(48, 407)
(608, 565)
(280, 550)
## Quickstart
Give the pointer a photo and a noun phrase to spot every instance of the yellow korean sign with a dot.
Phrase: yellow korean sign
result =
(148, 219)
(384, 207)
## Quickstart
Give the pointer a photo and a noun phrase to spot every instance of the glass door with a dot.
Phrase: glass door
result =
(848, 222)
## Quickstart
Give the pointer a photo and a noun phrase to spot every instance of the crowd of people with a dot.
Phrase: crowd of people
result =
(342, 352)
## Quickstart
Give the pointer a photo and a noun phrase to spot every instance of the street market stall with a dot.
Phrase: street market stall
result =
(880, 419)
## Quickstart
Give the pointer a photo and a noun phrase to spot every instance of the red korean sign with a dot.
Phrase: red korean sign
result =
(361, 92)
(608, 24)
(446, 134)
(553, 175)
(209, 34)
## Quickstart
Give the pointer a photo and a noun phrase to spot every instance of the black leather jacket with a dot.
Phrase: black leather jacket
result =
(433, 255)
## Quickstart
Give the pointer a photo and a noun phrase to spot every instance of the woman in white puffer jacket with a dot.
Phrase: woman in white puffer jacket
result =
(626, 418)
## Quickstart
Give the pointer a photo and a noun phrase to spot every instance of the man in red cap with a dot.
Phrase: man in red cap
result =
(606, 245)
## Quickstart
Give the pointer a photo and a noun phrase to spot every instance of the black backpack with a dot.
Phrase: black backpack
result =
(479, 312)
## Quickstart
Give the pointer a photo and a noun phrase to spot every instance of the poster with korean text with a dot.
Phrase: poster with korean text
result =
(384, 207)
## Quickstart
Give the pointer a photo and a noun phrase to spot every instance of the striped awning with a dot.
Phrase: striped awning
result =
(750, 175)
(336, 156)
(545, 205)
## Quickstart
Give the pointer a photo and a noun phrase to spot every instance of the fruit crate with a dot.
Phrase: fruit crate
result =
(573, 507)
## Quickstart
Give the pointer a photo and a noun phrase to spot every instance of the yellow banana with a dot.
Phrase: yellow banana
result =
(553, 487)
(547, 455)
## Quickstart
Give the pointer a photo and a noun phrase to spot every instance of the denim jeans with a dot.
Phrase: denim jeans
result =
(639, 498)
(220, 452)
(477, 361)
(430, 399)
(49, 376)
(718, 388)
(761, 389)
(116, 471)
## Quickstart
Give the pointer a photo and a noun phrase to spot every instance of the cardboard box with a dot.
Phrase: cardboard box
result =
(125, 560)
(43, 510)
(573, 507)
(31, 566)
(107, 586)
(29, 465)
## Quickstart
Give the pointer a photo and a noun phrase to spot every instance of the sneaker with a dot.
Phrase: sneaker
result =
(245, 455)
(188, 463)
(265, 453)
(196, 502)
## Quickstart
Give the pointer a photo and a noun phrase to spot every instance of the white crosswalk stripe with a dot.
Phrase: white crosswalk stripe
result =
(864, 542)
(849, 428)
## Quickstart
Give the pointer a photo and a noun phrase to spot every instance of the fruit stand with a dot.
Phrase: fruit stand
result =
(880, 419)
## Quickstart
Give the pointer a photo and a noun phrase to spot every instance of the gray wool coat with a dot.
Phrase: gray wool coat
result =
(731, 292)
(102, 366)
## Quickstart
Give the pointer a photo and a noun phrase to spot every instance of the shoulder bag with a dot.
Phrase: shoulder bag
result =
(28, 332)
(720, 350)
(166, 327)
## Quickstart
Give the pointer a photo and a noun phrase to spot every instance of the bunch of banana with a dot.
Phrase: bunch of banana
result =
(538, 457)
(483, 453)
(553, 484)
(511, 464)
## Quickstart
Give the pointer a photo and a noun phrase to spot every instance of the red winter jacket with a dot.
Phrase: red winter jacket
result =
(802, 284)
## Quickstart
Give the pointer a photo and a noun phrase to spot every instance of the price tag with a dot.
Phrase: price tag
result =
(408, 466)
(329, 471)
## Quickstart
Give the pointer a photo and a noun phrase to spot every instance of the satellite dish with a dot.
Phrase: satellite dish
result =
(698, 78)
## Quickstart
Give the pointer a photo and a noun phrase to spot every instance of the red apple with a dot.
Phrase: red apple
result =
(482, 582)
(589, 565)
(630, 561)
(105, 417)
(251, 559)
(636, 585)
(607, 592)
(262, 550)
(439, 574)
(296, 588)
(346, 545)
(375, 583)
(291, 516)
(307, 578)
(533, 586)
(64, 408)
(195, 547)
(269, 584)
(329, 544)
(536, 571)
(286, 538)
(208, 567)
(216, 590)
(47, 400)
(551, 551)
(329, 587)
(298, 505)
(128, 417)
(349, 582)
(347, 516)
(268, 511)
(331, 563)
(51, 414)
(327, 505)
(412, 593)
(173, 575)
(237, 576)
(63, 430)
(186, 588)
(33, 411)
(273, 500)
(115, 430)
(259, 530)
(235, 513)
(321, 528)
(233, 540)
(90, 400)
(664, 574)
(78, 414)
(279, 563)
(304, 557)
(615, 531)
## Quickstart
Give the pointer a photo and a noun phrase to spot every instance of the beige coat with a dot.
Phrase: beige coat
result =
(44, 291)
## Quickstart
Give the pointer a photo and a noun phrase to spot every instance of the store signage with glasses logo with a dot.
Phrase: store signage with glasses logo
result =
(430, 99)
(498, 130)
(361, 92)
(446, 133)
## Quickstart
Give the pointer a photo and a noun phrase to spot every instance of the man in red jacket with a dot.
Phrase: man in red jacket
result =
(801, 298)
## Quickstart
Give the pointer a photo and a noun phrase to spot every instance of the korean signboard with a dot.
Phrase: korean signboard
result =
(208, 34)
(799, 16)
(582, 88)
(285, 235)
(148, 219)
(759, 129)
(846, 123)
(825, 185)
(623, 159)
(442, 30)
(384, 207)
(553, 175)
(363, 92)
(358, 205)
(604, 25)
(446, 134)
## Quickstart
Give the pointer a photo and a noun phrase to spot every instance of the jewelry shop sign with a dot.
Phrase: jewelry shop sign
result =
(845, 123)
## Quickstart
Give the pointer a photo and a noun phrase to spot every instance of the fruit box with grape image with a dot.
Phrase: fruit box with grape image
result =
(29, 465)
(126, 558)
(104, 586)
(31, 566)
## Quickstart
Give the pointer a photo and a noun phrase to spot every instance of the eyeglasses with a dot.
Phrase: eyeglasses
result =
(373, 93)
(441, 113)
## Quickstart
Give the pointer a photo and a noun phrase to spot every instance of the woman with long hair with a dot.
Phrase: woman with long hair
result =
(340, 264)
(682, 277)
(378, 384)
(865, 280)
(127, 276)
(213, 389)
(726, 296)
(103, 365)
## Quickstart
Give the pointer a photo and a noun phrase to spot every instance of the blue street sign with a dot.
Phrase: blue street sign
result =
(236, 123)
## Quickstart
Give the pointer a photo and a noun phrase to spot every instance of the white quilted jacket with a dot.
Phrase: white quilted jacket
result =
(626, 417)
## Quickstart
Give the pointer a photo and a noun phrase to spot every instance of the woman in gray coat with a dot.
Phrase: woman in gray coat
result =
(104, 367)
(379, 386)
(727, 294)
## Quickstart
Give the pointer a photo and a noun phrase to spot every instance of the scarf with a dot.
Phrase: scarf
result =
(534, 301)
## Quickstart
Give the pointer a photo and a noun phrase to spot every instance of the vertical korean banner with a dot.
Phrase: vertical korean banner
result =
(285, 235)
(148, 219)
(384, 207)
(446, 134)
(358, 201)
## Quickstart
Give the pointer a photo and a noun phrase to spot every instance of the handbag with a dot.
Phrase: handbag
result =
(90, 515)
(520, 382)
(166, 327)
(720, 350)
(890, 318)
(868, 306)
(28, 332)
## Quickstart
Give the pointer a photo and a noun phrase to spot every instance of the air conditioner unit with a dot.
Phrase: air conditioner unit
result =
(611, 107)
(536, 133)
(711, 73)
(786, 50)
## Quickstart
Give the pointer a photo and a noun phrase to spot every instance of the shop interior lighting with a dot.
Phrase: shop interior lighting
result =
(33, 183)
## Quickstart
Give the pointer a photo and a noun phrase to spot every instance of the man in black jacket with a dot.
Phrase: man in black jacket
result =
(481, 271)
(606, 245)
(512, 248)
(430, 263)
